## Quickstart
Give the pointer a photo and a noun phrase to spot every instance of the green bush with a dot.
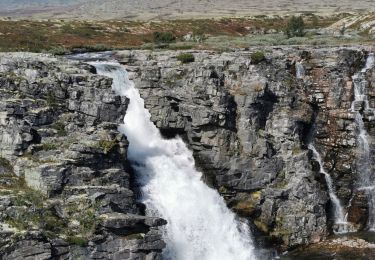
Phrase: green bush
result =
(107, 145)
(257, 57)
(164, 37)
(58, 50)
(79, 241)
(295, 27)
(186, 57)
(48, 146)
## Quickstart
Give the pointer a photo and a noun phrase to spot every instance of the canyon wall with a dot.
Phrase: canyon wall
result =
(249, 122)
(66, 187)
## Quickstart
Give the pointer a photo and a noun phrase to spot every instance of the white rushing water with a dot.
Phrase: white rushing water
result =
(300, 70)
(200, 226)
(339, 215)
(360, 107)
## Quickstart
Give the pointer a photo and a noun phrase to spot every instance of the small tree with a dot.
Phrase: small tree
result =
(295, 27)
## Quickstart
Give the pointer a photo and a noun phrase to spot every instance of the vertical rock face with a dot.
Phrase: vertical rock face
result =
(65, 182)
(249, 125)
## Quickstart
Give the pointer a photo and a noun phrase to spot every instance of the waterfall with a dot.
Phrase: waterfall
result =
(200, 226)
(342, 226)
(300, 70)
(360, 106)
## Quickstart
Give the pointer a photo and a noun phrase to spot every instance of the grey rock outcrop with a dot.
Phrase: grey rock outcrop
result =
(65, 182)
(249, 123)
(66, 186)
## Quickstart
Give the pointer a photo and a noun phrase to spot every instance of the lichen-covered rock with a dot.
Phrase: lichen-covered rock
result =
(249, 125)
(64, 168)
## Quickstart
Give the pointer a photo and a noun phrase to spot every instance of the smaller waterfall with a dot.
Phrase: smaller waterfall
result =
(361, 86)
(300, 70)
(361, 107)
(342, 226)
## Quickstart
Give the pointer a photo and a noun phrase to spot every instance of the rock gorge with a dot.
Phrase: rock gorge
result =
(248, 122)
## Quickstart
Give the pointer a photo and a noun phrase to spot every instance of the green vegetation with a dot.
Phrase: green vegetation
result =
(58, 50)
(76, 240)
(107, 145)
(296, 150)
(35, 211)
(84, 29)
(186, 57)
(91, 48)
(60, 128)
(48, 146)
(164, 37)
(31, 212)
(295, 27)
(88, 222)
(51, 99)
(257, 57)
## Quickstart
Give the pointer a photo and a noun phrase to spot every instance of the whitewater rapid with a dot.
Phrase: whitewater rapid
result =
(200, 226)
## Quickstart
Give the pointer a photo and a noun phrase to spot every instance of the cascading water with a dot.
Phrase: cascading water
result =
(340, 218)
(200, 226)
(342, 226)
(300, 70)
(361, 107)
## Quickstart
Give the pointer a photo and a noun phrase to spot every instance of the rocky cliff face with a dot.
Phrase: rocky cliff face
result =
(66, 187)
(65, 182)
(249, 122)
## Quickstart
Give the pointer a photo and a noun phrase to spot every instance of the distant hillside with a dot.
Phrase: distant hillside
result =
(171, 9)
(10, 5)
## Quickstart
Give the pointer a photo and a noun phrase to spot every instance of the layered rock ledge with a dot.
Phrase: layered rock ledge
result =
(65, 182)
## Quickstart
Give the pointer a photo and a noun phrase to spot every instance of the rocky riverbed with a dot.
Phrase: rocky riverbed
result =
(67, 189)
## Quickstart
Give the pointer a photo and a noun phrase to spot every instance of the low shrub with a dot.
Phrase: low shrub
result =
(257, 57)
(51, 99)
(48, 146)
(79, 241)
(186, 57)
(58, 50)
(107, 145)
(164, 37)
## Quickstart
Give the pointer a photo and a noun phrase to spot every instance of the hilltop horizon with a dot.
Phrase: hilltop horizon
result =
(171, 9)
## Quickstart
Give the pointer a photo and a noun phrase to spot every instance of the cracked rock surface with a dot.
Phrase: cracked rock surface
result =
(65, 181)
(249, 123)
